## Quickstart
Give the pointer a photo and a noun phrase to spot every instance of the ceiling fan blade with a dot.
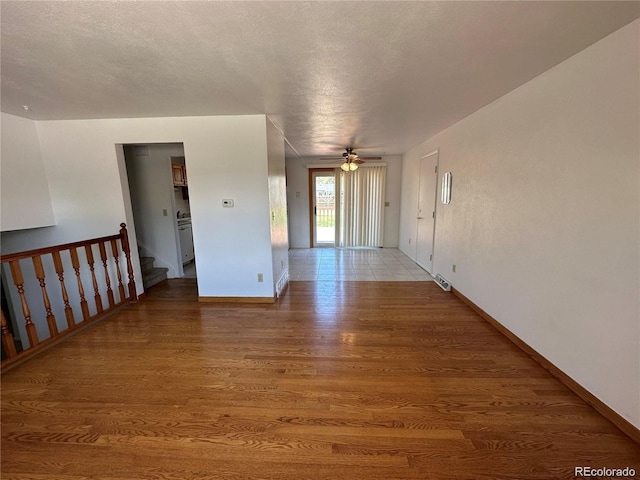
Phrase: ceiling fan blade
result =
(351, 156)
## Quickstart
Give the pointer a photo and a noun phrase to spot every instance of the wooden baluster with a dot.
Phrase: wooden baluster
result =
(83, 302)
(116, 255)
(68, 311)
(127, 253)
(7, 339)
(91, 262)
(16, 274)
(51, 319)
(103, 256)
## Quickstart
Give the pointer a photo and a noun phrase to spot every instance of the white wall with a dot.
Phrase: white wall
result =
(298, 199)
(544, 220)
(151, 186)
(24, 195)
(226, 157)
(277, 203)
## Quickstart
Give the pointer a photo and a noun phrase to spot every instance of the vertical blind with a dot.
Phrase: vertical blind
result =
(362, 207)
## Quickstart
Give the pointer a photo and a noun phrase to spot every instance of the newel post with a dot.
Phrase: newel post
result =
(127, 253)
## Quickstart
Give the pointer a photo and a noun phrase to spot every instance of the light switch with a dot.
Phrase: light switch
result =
(227, 202)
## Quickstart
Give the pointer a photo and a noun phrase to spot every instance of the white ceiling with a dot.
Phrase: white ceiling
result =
(380, 76)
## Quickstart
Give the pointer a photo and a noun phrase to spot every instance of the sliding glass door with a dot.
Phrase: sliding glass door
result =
(347, 208)
(323, 207)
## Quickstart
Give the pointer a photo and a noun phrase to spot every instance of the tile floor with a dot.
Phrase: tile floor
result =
(353, 264)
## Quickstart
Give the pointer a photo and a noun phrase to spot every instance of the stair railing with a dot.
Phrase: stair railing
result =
(38, 305)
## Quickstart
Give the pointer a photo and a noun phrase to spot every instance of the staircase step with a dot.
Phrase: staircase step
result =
(153, 276)
(146, 263)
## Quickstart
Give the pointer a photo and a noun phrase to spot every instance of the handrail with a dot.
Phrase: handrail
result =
(56, 248)
(95, 262)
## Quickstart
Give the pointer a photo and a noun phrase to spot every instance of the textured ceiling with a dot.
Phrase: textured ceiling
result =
(381, 76)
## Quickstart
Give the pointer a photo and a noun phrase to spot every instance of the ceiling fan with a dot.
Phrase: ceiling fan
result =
(352, 160)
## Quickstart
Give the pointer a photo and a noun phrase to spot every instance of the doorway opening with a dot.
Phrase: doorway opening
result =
(158, 187)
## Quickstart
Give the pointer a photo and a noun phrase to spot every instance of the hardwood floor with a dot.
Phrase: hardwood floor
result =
(353, 380)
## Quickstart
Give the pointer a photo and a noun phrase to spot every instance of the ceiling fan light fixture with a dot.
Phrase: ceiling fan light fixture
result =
(349, 166)
(350, 158)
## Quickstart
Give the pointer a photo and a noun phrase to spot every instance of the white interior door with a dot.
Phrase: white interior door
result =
(426, 218)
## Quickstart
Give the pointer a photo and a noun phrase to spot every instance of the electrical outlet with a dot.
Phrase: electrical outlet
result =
(165, 213)
(454, 268)
(260, 278)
